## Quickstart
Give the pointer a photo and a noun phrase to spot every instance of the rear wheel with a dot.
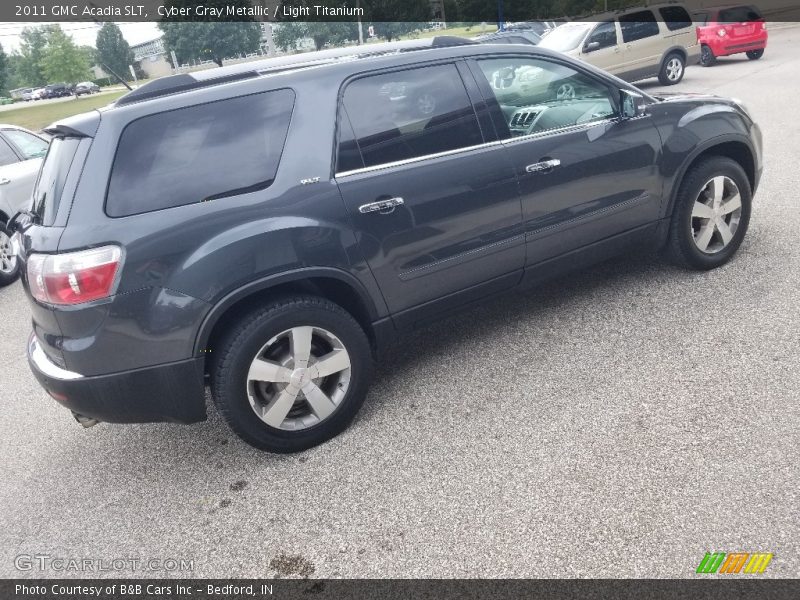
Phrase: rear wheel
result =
(672, 70)
(291, 374)
(711, 214)
(755, 54)
(707, 57)
(9, 266)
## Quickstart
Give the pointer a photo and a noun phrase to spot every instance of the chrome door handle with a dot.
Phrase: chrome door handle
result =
(381, 206)
(4, 181)
(543, 167)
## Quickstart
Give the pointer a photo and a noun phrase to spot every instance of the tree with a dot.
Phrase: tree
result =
(63, 60)
(28, 62)
(328, 32)
(4, 75)
(391, 19)
(215, 40)
(113, 51)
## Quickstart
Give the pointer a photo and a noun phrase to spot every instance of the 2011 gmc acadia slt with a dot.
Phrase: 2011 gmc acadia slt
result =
(270, 227)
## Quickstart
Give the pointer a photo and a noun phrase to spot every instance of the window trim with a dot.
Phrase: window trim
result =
(341, 109)
(236, 192)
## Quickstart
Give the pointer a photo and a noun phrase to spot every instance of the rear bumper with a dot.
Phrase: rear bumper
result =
(728, 46)
(173, 392)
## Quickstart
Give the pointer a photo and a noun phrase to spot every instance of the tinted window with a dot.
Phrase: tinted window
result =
(638, 25)
(701, 18)
(675, 17)
(199, 153)
(604, 34)
(53, 176)
(739, 14)
(407, 114)
(7, 155)
(536, 95)
(30, 145)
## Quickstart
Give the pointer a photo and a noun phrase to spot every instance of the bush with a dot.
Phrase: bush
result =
(105, 81)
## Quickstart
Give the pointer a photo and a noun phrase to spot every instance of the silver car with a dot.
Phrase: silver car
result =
(21, 154)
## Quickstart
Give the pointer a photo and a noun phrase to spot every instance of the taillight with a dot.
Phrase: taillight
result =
(764, 25)
(74, 277)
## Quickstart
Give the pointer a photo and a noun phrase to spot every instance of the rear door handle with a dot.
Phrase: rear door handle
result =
(381, 206)
(543, 167)
(4, 181)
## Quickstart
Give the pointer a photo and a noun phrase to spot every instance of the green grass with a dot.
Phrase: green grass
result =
(467, 32)
(34, 115)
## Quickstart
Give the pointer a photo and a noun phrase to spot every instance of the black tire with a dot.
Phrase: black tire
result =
(755, 54)
(707, 58)
(7, 277)
(232, 358)
(663, 74)
(681, 246)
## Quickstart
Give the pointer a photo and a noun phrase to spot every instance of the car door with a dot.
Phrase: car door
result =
(643, 45)
(584, 174)
(21, 155)
(435, 206)
(602, 48)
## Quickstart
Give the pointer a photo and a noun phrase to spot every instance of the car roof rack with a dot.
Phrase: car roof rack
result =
(184, 82)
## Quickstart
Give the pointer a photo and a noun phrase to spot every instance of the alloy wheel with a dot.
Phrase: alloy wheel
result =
(674, 69)
(716, 214)
(8, 260)
(298, 378)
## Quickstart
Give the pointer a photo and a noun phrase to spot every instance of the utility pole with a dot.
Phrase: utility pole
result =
(360, 26)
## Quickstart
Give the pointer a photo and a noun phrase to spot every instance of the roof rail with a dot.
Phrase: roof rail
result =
(184, 82)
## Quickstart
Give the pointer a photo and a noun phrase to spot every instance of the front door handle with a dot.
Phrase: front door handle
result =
(543, 167)
(4, 181)
(381, 206)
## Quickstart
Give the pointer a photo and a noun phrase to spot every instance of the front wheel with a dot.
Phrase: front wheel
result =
(711, 215)
(291, 374)
(672, 70)
(707, 57)
(9, 266)
(755, 54)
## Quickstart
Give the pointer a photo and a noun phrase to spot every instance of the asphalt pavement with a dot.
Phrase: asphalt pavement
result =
(620, 422)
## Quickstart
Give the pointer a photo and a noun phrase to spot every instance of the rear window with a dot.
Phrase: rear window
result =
(199, 153)
(53, 175)
(739, 14)
(675, 17)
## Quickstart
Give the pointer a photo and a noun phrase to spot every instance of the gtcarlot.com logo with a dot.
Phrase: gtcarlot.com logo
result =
(734, 562)
(45, 562)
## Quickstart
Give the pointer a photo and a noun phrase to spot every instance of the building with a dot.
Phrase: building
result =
(152, 58)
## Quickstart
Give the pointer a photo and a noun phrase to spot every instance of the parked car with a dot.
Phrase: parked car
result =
(202, 229)
(37, 94)
(540, 28)
(56, 90)
(634, 44)
(21, 154)
(6, 100)
(510, 37)
(729, 30)
(87, 87)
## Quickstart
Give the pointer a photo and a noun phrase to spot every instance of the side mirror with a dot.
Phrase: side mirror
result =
(631, 104)
(591, 46)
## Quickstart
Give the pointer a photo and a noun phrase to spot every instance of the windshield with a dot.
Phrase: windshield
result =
(566, 37)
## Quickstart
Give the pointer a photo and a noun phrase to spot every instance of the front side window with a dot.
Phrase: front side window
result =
(30, 145)
(638, 26)
(409, 114)
(536, 95)
(200, 153)
(605, 35)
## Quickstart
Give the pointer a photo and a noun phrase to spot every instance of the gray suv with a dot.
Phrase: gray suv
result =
(267, 229)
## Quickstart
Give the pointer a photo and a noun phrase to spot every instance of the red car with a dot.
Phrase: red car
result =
(726, 30)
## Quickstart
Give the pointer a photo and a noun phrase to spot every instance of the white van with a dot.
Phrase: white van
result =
(633, 44)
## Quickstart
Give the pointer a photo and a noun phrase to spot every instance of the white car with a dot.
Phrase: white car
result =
(21, 154)
(37, 94)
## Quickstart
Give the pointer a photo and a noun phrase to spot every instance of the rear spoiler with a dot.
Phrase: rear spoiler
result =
(83, 125)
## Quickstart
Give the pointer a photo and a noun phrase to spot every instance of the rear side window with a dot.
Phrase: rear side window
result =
(638, 25)
(7, 155)
(199, 153)
(30, 145)
(53, 176)
(408, 114)
(675, 17)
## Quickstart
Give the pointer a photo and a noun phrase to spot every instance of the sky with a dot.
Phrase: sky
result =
(83, 33)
